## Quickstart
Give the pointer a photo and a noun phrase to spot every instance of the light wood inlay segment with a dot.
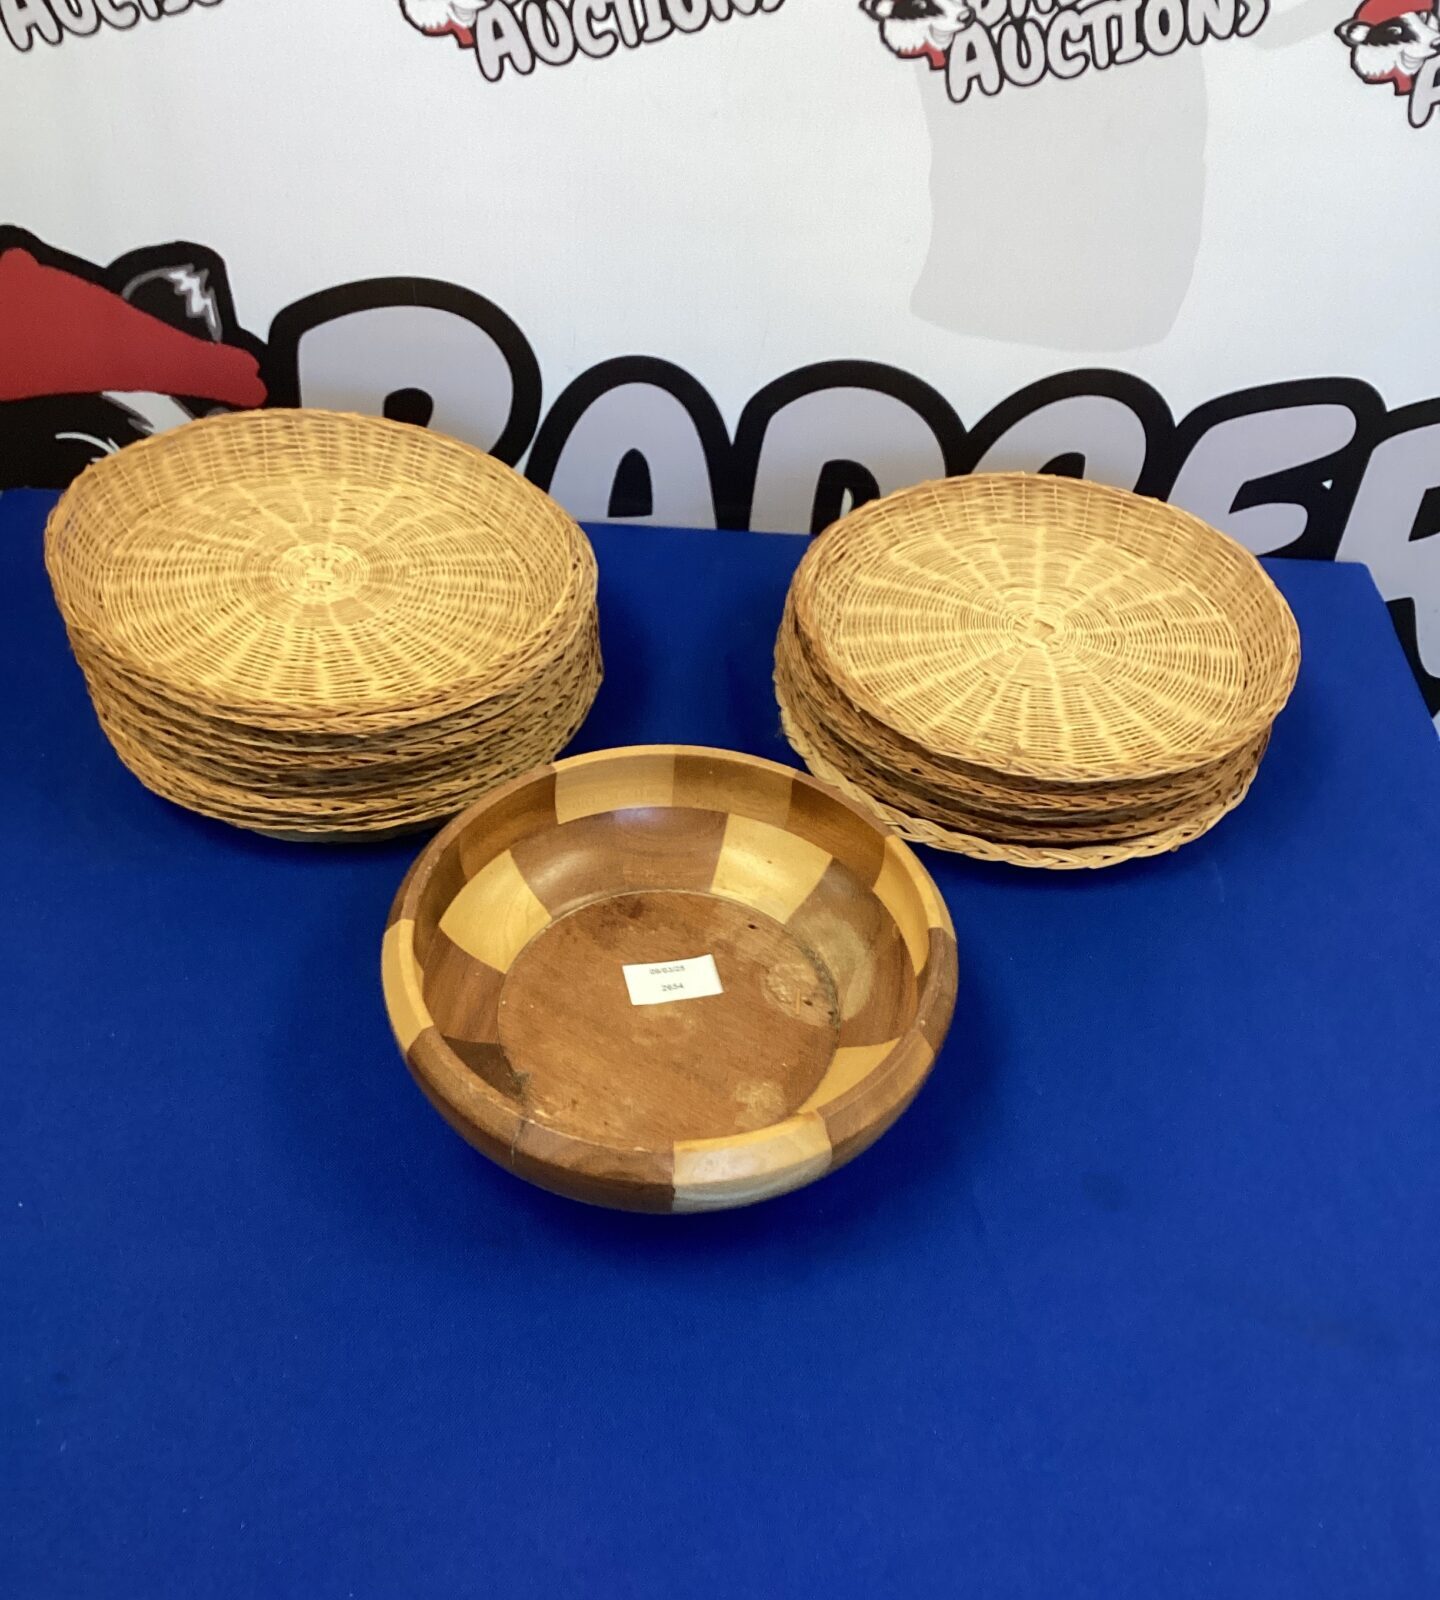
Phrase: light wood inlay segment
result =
(897, 892)
(712, 1174)
(401, 976)
(767, 868)
(848, 1066)
(589, 786)
(495, 915)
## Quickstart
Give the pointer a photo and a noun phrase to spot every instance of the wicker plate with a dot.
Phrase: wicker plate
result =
(878, 750)
(504, 978)
(323, 626)
(292, 564)
(954, 822)
(1091, 853)
(1044, 627)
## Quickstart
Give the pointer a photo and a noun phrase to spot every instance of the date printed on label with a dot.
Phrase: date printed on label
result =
(652, 984)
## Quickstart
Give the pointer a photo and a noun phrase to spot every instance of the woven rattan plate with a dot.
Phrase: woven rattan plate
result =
(324, 625)
(305, 563)
(1019, 798)
(526, 951)
(1034, 670)
(1048, 627)
(1089, 853)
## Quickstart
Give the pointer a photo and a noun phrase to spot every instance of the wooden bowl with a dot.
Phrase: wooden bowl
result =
(533, 953)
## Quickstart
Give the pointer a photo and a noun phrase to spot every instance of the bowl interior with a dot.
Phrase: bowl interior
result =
(538, 920)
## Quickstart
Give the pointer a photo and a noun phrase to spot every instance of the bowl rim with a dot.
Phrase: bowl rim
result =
(496, 1124)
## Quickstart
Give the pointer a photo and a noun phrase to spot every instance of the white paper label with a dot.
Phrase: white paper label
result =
(653, 985)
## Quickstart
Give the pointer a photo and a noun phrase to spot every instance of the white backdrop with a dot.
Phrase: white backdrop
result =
(781, 190)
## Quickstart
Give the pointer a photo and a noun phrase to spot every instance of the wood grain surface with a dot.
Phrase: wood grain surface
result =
(504, 972)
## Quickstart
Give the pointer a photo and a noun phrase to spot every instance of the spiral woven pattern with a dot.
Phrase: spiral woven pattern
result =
(324, 625)
(1034, 669)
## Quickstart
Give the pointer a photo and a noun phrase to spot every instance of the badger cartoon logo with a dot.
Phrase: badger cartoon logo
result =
(915, 28)
(93, 358)
(439, 17)
(1390, 43)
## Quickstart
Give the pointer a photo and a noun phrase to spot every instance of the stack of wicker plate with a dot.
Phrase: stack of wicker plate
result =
(324, 626)
(1034, 669)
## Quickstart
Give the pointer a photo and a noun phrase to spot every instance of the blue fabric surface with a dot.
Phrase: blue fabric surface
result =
(1141, 1299)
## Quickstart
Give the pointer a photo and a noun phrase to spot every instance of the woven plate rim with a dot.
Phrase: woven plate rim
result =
(1060, 859)
(908, 761)
(579, 595)
(1008, 830)
(1258, 716)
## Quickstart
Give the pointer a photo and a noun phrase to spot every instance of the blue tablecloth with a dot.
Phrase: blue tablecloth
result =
(1140, 1299)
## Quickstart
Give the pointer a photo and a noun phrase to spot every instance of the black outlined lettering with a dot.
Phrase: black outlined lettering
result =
(1312, 467)
(53, 22)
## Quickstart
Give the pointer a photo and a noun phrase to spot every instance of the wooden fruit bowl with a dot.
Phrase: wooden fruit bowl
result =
(515, 940)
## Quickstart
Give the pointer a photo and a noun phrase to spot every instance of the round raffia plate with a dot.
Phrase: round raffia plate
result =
(323, 626)
(530, 948)
(1047, 627)
(315, 570)
(919, 784)
(1052, 855)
